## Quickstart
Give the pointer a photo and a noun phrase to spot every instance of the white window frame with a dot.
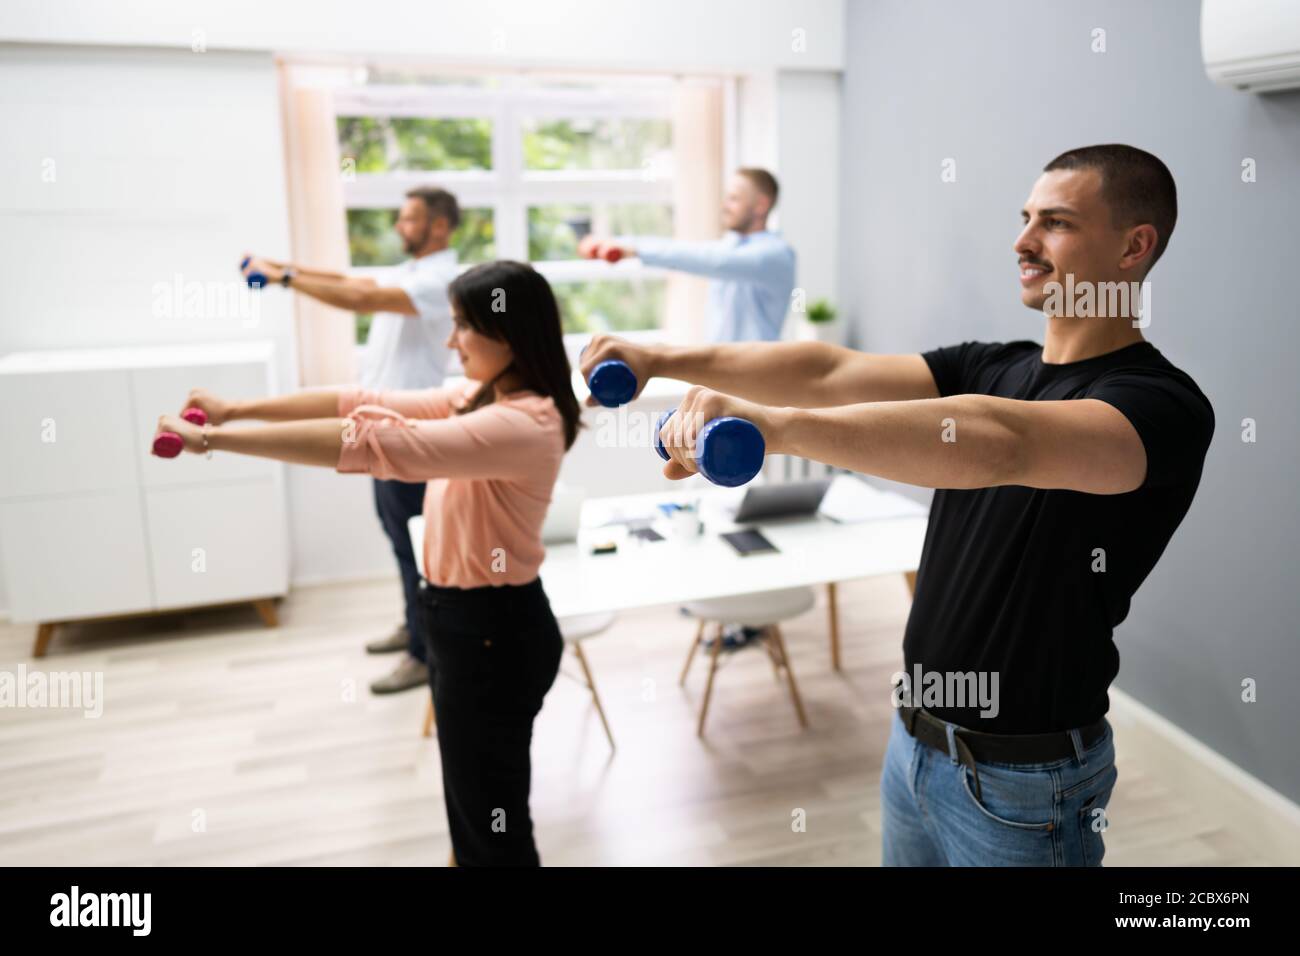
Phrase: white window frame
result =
(508, 188)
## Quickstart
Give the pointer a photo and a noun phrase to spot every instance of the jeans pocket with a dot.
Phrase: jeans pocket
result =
(1091, 798)
(1018, 800)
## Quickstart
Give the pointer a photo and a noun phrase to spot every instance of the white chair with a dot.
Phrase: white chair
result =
(575, 630)
(763, 611)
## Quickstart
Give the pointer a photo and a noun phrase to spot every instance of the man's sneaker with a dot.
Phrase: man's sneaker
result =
(408, 674)
(399, 640)
(734, 637)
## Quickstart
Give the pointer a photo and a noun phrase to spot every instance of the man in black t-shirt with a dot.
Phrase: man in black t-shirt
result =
(1061, 472)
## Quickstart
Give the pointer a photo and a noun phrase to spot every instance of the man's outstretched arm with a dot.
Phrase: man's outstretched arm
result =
(962, 441)
(798, 374)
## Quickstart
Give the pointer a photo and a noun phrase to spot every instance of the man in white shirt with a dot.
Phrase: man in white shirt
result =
(405, 349)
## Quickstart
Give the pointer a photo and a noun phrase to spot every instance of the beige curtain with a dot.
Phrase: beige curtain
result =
(697, 197)
(326, 336)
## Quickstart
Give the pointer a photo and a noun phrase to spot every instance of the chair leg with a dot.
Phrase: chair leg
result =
(591, 685)
(910, 578)
(690, 655)
(708, 686)
(771, 653)
(789, 676)
(428, 718)
(833, 611)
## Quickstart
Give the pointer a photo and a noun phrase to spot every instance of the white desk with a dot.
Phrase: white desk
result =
(643, 574)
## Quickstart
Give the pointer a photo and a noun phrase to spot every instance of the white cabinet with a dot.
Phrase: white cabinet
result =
(75, 556)
(215, 542)
(91, 524)
(65, 432)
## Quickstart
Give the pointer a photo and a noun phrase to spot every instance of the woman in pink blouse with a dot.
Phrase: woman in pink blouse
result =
(490, 453)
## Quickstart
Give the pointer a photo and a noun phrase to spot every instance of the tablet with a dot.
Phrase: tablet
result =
(748, 542)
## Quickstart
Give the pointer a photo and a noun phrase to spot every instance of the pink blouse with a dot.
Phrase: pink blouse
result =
(490, 473)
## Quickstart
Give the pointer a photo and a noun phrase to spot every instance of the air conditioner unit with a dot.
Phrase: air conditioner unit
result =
(1252, 44)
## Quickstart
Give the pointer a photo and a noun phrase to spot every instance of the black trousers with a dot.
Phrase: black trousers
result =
(396, 502)
(494, 653)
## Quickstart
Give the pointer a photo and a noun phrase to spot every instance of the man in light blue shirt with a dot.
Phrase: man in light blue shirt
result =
(752, 268)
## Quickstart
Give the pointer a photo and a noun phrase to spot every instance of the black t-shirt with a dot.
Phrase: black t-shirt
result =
(1007, 581)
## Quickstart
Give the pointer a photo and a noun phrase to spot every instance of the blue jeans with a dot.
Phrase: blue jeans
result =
(1042, 814)
(397, 502)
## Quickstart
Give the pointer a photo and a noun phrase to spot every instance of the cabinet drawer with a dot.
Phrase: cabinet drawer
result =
(80, 556)
(67, 432)
(162, 391)
(217, 543)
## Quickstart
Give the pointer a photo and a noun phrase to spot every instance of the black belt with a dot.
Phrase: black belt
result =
(973, 745)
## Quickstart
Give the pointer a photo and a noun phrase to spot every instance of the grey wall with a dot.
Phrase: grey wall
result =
(1004, 86)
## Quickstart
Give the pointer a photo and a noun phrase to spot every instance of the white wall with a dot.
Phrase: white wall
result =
(625, 34)
(808, 157)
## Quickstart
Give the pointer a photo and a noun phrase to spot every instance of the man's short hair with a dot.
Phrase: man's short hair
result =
(1136, 185)
(439, 203)
(763, 181)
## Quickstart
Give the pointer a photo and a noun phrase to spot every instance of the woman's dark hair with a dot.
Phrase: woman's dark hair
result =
(513, 303)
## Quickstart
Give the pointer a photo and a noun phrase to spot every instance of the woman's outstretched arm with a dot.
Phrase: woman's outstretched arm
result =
(318, 441)
(313, 403)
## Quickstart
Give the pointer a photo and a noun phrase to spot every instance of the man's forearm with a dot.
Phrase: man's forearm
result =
(342, 295)
(771, 373)
(316, 403)
(963, 441)
(317, 442)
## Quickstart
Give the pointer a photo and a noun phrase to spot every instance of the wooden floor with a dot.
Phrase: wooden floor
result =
(222, 742)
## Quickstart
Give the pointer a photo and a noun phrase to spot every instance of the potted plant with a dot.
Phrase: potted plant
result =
(820, 318)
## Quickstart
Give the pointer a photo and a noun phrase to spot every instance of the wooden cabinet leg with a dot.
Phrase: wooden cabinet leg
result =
(910, 578)
(44, 634)
(266, 611)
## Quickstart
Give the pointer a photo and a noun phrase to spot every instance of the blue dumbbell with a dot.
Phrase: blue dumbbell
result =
(728, 451)
(612, 383)
(256, 280)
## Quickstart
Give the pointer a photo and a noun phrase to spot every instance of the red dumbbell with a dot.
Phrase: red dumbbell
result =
(169, 444)
(611, 252)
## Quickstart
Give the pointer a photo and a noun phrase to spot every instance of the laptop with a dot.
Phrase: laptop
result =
(564, 516)
(792, 499)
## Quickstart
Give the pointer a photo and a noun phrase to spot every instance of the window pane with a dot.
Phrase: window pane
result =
(554, 231)
(374, 242)
(611, 305)
(380, 144)
(596, 143)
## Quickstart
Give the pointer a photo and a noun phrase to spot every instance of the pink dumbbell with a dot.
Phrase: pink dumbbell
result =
(169, 444)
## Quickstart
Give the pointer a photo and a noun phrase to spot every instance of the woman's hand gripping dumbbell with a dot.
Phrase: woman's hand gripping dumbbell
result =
(175, 435)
